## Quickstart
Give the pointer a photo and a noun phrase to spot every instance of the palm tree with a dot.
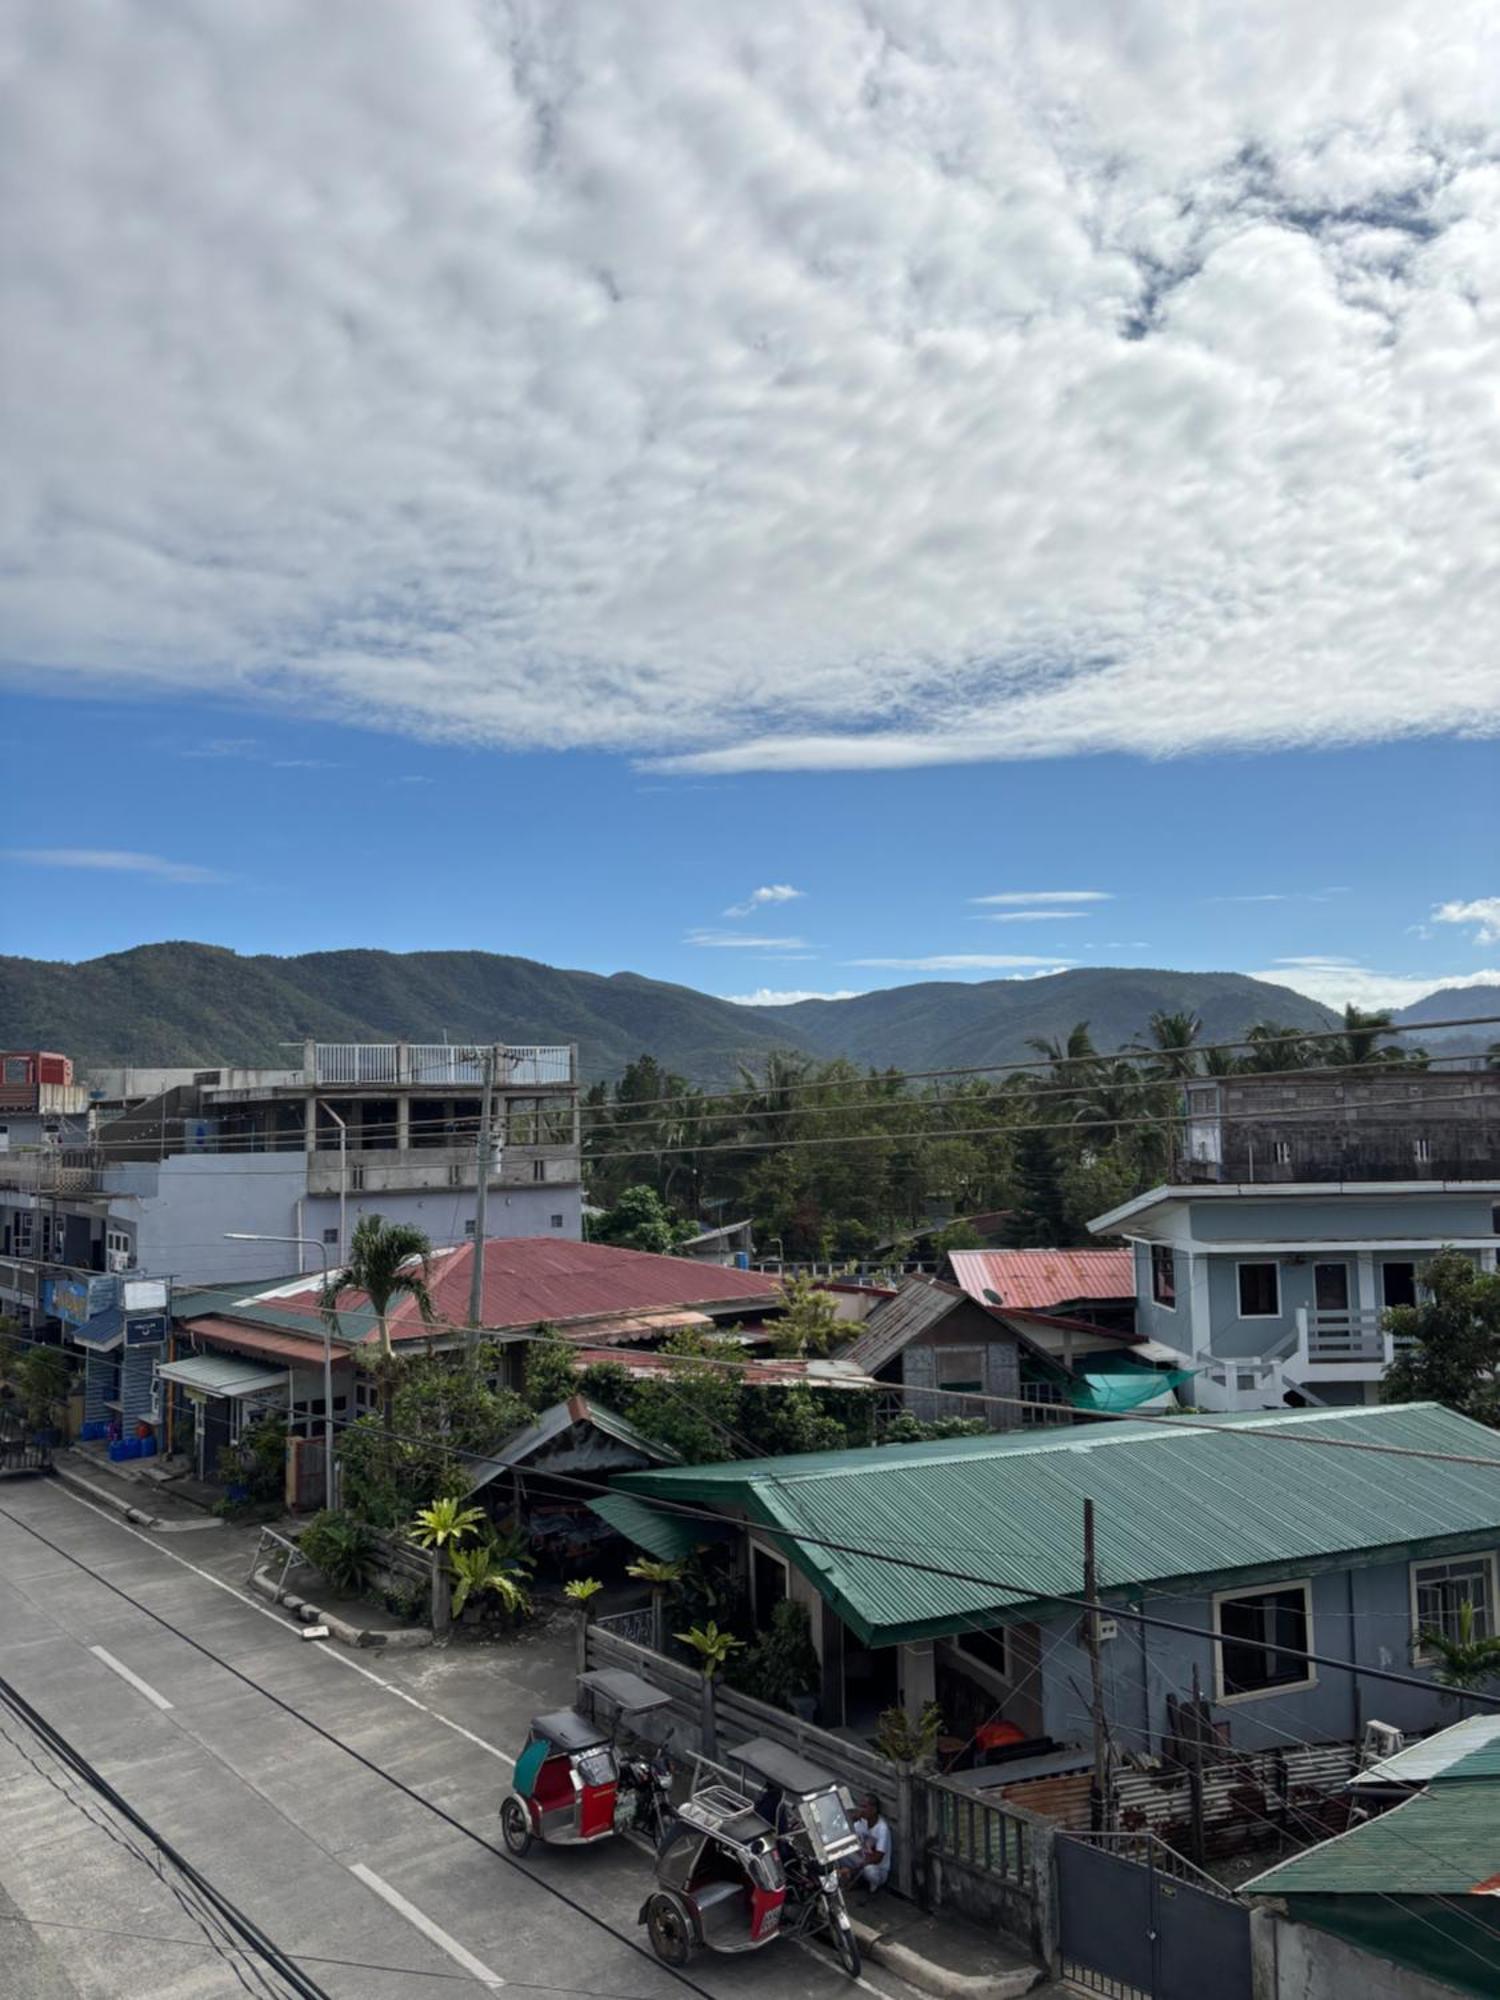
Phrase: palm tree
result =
(387, 1261)
(1464, 1662)
(1170, 1046)
(1274, 1046)
(1361, 1039)
(1113, 1103)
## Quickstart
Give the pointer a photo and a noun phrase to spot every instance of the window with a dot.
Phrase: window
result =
(1281, 1152)
(469, 1229)
(1398, 1284)
(18, 1069)
(356, 1179)
(539, 1170)
(331, 1235)
(1440, 1590)
(768, 1575)
(988, 1648)
(960, 1368)
(1265, 1635)
(1042, 1399)
(1164, 1275)
(1260, 1291)
(456, 1173)
(557, 1222)
(1331, 1288)
(1421, 1152)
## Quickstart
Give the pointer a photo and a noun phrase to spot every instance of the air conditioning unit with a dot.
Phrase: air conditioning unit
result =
(1381, 1740)
(121, 1260)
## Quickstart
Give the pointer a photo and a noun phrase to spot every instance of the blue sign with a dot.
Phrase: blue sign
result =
(145, 1330)
(76, 1300)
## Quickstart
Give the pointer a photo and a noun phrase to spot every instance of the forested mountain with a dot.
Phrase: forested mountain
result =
(198, 1003)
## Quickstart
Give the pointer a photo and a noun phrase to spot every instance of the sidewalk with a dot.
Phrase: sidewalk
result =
(944, 1955)
(143, 1501)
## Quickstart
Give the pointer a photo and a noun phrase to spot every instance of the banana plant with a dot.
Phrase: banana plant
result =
(712, 1646)
(444, 1521)
(475, 1570)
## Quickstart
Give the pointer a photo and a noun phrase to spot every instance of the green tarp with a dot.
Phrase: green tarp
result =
(1124, 1388)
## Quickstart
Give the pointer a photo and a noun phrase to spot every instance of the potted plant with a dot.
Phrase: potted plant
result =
(782, 1666)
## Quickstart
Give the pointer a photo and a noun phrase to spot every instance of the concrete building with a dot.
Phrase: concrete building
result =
(1390, 1123)
(1279, 1293)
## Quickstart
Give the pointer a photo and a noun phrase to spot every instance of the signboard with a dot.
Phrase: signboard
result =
(76, 1300)
(144, 1295)
(145, 1330)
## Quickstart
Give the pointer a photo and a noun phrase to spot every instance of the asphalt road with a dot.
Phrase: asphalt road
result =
(333, 1797)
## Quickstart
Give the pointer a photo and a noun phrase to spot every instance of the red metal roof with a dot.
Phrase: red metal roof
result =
(256, 1340)
(529, 1279)
(1038, 1280)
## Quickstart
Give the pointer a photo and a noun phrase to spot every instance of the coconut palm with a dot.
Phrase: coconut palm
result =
(1361, 1041)
(1274, 1046)
(1465, 1662)
(387, 1261)
(1169, 1043)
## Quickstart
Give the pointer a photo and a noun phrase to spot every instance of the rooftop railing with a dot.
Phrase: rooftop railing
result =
(438, 1064)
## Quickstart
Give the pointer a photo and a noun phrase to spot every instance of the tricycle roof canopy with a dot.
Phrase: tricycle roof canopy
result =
(782, 1767)
(625, 1690)
(569, 1730)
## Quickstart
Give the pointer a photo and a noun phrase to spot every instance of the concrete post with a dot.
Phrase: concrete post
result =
(918, 1674)
(441, 1596)
(710, 1729)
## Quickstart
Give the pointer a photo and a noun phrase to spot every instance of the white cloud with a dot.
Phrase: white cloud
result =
(766, 996)
(1032, 916)
(759, 899)
(223, 746)
(743, 941)
(1337, 983)
(1483, 912)
(1048, 896)
(962, 961)
(114, 860)
(850, 384)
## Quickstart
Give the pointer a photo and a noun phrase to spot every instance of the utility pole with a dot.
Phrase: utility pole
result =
(1100, 1814)
(488, 1057)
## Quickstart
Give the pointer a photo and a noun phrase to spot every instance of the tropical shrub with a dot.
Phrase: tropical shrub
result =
(341, 1549)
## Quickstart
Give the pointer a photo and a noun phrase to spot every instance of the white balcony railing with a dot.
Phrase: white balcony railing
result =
(525, 1066)
(1345, 1336)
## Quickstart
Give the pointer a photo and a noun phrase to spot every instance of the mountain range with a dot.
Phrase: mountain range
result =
(199, 1004)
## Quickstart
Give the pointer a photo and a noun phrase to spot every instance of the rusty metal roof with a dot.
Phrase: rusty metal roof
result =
(1042, 1279)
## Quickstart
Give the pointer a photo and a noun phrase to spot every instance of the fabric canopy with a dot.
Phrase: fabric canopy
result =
(1124, 1387)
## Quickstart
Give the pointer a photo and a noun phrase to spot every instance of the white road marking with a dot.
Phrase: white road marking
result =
(264, 1611)
(438, 1936)
(118, 1667)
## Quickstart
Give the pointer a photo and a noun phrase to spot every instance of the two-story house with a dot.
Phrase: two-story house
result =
(1275, 1293)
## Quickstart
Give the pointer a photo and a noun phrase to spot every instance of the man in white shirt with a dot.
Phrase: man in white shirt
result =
(873, 1867)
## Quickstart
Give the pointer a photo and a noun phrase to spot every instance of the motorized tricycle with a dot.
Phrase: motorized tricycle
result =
(732, 1873)
(571, 1787)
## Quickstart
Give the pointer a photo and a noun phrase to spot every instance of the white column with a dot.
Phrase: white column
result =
(1200, 1332)
(918, 1669)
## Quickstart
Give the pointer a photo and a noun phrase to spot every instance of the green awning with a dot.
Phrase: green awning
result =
(670, 1537)
(1124, 1388)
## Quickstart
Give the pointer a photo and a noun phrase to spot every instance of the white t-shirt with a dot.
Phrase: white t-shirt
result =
(877, 1836)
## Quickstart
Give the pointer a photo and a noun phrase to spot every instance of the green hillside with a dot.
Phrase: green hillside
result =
(198, 1003)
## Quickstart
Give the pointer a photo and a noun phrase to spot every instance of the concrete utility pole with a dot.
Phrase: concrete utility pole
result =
(310, 1243)
(1099, 1804)
(489, 1057)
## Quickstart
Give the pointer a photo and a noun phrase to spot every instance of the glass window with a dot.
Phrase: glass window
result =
(18, 1069)
(767, 1582)
(1331, 1287)
(989, 1648)
(1265, 1640)
(960, 1368)
(1164, 1274)
(1440, 1590)
(1260, 1291)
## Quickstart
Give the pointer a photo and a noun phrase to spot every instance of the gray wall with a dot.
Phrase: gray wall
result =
(1437, 1214)
(1299, 1962)
(999, 1375)
(1363, 1615)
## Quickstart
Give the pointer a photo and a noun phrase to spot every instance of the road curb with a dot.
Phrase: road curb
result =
(359, 1636)
(938, 1979)
(102, 1497)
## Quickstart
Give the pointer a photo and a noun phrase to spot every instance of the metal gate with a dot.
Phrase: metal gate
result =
(1137, 1922)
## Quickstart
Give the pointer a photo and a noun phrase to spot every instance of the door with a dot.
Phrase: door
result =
(1331, 1288)
(1398, 1284)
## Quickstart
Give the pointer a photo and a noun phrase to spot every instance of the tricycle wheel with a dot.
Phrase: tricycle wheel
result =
(670, 1931)
(515, 1825)
(846, 1944)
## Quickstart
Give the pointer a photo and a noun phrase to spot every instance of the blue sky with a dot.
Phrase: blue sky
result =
(317, 835)
(634, 457)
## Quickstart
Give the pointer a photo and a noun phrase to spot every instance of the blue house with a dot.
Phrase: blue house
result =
(933, 1571)
(1276, 1293)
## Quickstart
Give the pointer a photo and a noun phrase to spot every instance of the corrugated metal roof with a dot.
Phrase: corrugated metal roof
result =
(555, 1423)
(1173, 1503)
(672, 1537)
(918, 1305)
(1042, 1279)
(527, 1280)
(1444, 1842)
(1468, 1749)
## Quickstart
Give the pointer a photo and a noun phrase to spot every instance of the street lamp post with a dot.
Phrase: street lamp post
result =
(309, 1243)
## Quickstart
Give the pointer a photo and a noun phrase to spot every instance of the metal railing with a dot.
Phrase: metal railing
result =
(1345, 1336)
(980, 1833)
(52, 1170)
(524, 1066)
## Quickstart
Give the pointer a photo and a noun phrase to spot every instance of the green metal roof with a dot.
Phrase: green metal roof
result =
(247, 1302)
(1467, 1749)
(1175, 1502)
(1443, 1842)
(672, 1537)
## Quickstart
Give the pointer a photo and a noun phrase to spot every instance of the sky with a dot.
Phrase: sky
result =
(789, 500)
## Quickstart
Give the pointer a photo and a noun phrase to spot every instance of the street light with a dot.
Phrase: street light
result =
(309, 1243)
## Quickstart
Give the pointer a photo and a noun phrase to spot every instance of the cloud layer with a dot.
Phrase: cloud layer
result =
(113, 860)
(847, 383)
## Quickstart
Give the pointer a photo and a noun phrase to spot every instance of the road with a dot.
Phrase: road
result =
(346, 1804)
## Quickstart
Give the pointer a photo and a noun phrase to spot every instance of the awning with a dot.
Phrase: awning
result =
(104, 1331)
(218, 1375)
(671, 1537)
(1124, 1388)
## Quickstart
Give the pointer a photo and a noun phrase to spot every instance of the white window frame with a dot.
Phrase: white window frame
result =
(1255, 1263)
(1164, 1305)
(1005, 1674)
(1281, 1152)
(1423, 1656)
(1421, 1152)
(772, 1555)
(1222, 1597)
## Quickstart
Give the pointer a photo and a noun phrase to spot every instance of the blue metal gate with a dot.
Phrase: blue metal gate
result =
(1137, 1922)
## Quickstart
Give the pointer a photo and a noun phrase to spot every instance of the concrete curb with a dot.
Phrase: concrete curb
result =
(339, 1628)
(102, 1497)
(938, 1979)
